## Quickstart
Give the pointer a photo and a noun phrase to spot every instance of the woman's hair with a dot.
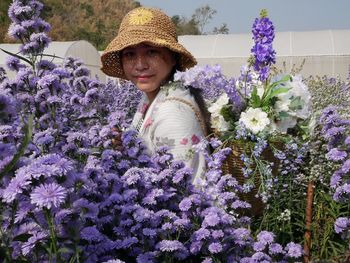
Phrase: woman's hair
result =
(197, 94)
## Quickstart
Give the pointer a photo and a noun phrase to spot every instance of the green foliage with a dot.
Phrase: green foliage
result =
(4, 20)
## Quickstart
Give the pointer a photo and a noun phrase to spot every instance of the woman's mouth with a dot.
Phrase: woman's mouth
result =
(143, 77)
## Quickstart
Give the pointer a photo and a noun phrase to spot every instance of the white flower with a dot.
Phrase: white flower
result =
(218, 123)
(296, 101)
(216, 107)
(255, 120)
(284, 124)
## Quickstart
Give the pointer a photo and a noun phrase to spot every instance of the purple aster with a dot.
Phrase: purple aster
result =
(149, 232)
(342, 193)
(185, 204)
(346, 166)
(14, 188)
(217, 234)
(211, 219)
(259, 246)
(13, 63)
(336, 155)
(45, 65)
(347, 140)
(207, 260)
(242, 236)
(170, 246)
(28, 246)
(49, 81)
(215, 248)
(341, 224)
(114, 261)
(261, 257)
(81, 71)
(294, 250)
(275, 248)
(196, 247)
(44, 137)
(201, 234)
(148, 257)
(336, 179)
(182, 223)
(266, 237)
(17, 31)
(91, 234)
(48, 195)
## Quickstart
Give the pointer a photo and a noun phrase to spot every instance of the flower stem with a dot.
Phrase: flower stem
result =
(307, 235)
(53, 251)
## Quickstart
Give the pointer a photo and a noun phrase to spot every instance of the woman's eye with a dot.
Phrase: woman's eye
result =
(152, 52)
(128, 54)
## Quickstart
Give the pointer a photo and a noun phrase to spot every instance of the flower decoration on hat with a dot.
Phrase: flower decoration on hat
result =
(161, 41)
(140, 17)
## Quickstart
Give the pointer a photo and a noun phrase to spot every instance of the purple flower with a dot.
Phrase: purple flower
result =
(14, 188)
(294, 250)
(48, 195)
(263, 35)
(275, 248)
(259, 246)
(185, 204)
(215, 248)
(148, 257)
(13, 63)
(336, 155)
(91, 234)
(217, 234)
(148, 232)
(266, 237)
(28, 246)
(346, 167)
(170, 246)
(202, 233)
(342, 193)
(211, 219)
(342, 224)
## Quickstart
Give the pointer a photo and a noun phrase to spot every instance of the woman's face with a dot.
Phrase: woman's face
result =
(148, 67)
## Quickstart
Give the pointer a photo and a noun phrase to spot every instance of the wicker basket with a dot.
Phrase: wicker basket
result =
(233, 165)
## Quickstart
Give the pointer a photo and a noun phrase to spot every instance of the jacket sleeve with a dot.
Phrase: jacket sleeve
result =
(177, 126)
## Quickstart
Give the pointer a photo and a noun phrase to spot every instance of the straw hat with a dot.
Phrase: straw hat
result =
(144, 25)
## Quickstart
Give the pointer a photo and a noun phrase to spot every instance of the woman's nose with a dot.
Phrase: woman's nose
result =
(141, 62)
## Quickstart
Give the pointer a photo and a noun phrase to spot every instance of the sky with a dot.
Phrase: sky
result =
(287, 15)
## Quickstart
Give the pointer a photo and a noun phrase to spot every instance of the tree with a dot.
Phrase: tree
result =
(202, 16)
(4, 20)
(96, 21)
(185, 26)
(223, 29)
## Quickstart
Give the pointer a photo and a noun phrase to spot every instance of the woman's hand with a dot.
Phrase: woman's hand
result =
(117, 139)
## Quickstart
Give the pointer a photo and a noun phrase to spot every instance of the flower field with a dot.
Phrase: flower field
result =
(66, 195)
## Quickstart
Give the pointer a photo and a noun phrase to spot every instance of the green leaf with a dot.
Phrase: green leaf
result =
(255, 99)
(296, 103)
(17, 56)
(22, 237)
(28, 131)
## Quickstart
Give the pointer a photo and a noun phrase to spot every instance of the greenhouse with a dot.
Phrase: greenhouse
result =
(325, 52)
(78, 49)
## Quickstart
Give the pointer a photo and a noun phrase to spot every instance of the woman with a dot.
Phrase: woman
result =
(147, 53)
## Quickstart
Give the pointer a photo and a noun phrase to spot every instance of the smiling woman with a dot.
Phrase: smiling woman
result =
(146, 52)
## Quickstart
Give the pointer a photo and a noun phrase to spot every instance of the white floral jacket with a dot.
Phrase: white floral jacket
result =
(171, 120)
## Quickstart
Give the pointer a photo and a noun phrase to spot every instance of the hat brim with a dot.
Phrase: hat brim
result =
(111, 60)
